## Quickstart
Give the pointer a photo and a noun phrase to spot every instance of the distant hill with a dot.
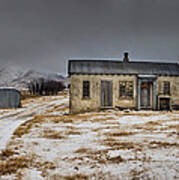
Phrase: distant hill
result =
(17, 77)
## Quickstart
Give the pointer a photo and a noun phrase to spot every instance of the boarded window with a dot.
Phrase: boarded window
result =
(166, 87)
(86, 89)
(125, 89)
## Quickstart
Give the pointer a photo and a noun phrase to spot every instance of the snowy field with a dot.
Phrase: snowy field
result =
(41, 141)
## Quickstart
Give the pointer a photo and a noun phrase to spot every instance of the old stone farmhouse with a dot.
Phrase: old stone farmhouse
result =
(99, 84)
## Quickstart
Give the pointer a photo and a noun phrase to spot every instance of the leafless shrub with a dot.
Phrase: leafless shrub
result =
(43, 86)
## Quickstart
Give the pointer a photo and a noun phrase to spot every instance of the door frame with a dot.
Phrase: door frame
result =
(147, 78)
(111, 94)
(148, 95)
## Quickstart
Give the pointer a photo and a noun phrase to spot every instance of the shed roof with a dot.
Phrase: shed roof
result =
(120, 67)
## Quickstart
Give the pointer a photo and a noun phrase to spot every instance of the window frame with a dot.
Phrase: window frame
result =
(166, 87)
(125, 87)
(86, 89)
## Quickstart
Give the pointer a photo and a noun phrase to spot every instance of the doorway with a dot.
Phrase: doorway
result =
(145, 94)
(106, 94)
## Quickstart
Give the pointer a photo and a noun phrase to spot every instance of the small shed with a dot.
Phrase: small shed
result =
(10, 98)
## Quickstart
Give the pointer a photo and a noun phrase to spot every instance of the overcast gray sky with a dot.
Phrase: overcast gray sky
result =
(46, 33)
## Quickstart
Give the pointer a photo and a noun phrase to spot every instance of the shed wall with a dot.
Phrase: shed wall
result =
(9, 98)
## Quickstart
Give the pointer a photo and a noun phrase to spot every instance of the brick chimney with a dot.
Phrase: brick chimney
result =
(126, 57)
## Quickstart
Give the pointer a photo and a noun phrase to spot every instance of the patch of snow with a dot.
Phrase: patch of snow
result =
(140, 120)
(31, 174)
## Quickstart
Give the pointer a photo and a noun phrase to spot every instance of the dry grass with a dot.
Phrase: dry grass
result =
(119, 133)
(116, 138)
(13, 163)
(73, 133)
(116, 159)
(152, 123)
(72, 177)
(23, 129)
(102, 119)
(57, 118)
(28, 96)
(10, 115)
(38, 119)
(58, 108)
(140, 114)
(90, 151)
(26, 127)
(26, 99)
(6, 154)
(148, 126)
(160, 144)
(115, 145)
(43, 166)
(81, 117)
(51, 134)
(106, 127)
(173, 126)
(14, 145)
(83, 150)
(72, 127)
(100, 156)
(64, 109)
(69, 118)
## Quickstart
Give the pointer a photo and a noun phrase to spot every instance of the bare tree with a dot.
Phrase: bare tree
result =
(45, 87)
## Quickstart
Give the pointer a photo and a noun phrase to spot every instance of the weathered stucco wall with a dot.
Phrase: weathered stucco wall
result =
(78, 104)
(174, 88)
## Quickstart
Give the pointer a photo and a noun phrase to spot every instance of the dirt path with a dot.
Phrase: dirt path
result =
(11, 119)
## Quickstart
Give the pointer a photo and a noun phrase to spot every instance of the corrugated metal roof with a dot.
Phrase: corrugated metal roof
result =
(119, 67)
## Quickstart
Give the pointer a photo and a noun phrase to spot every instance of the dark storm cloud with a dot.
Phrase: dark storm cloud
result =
(45, 33)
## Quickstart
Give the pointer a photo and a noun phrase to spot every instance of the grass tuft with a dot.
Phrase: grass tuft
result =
(119, 133)
(51, 134)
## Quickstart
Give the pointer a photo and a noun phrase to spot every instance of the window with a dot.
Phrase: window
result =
(125, 89)
(86, 89)
(166, 87)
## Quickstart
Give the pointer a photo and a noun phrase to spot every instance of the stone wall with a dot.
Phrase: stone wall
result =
(78, 104)
(174, 88)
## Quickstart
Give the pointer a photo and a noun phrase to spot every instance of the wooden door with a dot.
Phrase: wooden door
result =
(106, 93)
(145, 95)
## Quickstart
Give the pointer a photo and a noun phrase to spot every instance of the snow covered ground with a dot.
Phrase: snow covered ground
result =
(11, 119)
(47, 143)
